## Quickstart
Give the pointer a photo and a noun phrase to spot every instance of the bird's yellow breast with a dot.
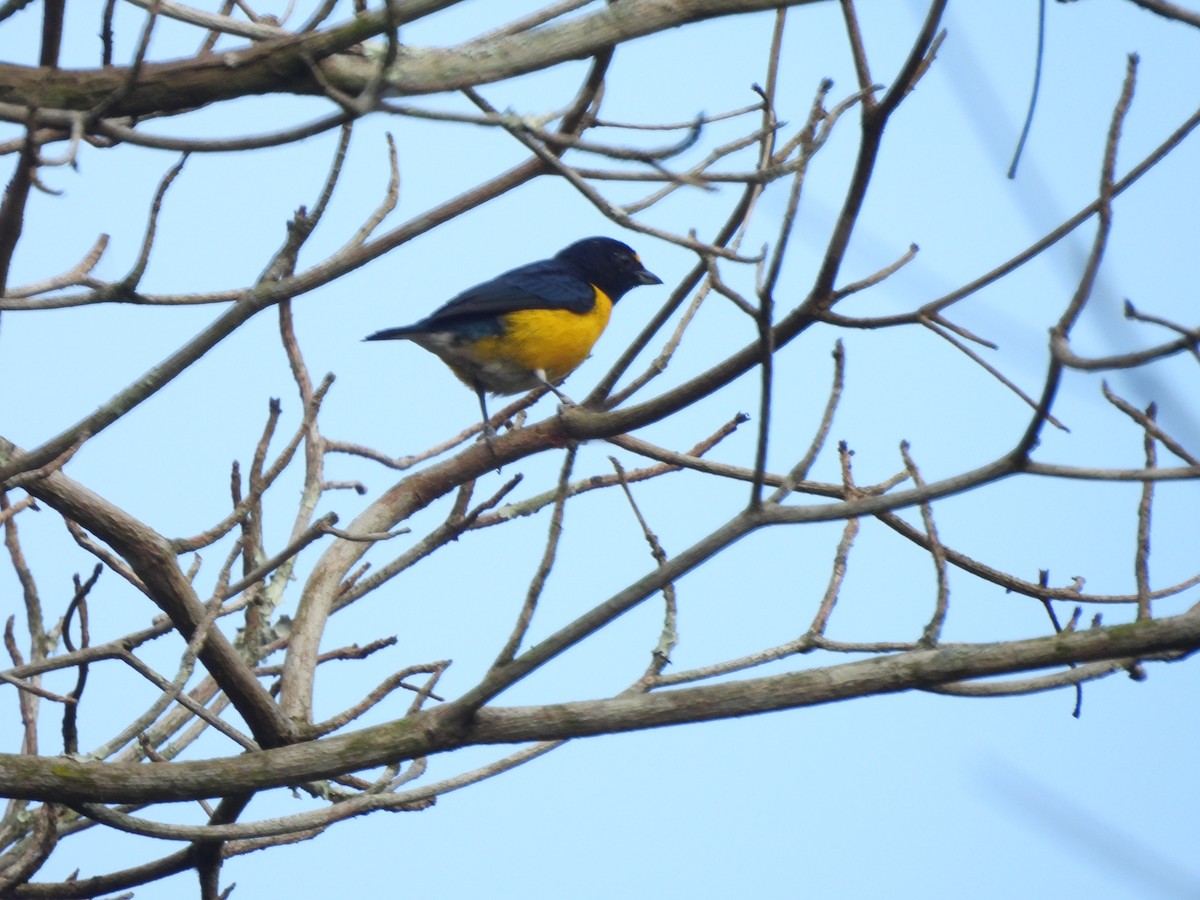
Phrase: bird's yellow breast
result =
(555, 341)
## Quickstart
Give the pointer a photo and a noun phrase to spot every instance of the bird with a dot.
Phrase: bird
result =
(531, 326)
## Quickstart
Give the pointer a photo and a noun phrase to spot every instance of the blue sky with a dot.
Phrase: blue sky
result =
(906, 796)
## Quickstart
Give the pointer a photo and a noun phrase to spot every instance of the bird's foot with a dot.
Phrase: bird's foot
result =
(566, 401)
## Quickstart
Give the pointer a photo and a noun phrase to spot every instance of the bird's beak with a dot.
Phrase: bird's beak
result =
(645, 276)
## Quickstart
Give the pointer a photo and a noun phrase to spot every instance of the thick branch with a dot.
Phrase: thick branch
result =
(72, 781)
(284, 65)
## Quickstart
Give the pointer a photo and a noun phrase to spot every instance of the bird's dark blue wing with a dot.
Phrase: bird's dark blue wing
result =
(548, 284)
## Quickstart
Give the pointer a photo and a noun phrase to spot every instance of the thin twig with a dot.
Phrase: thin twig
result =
(842, 555)
(1145, 505)
(668, 638)
(538, 583)
(933, 630)
(801, 469)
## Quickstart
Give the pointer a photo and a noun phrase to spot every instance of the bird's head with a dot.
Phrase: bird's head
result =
(610, 265)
